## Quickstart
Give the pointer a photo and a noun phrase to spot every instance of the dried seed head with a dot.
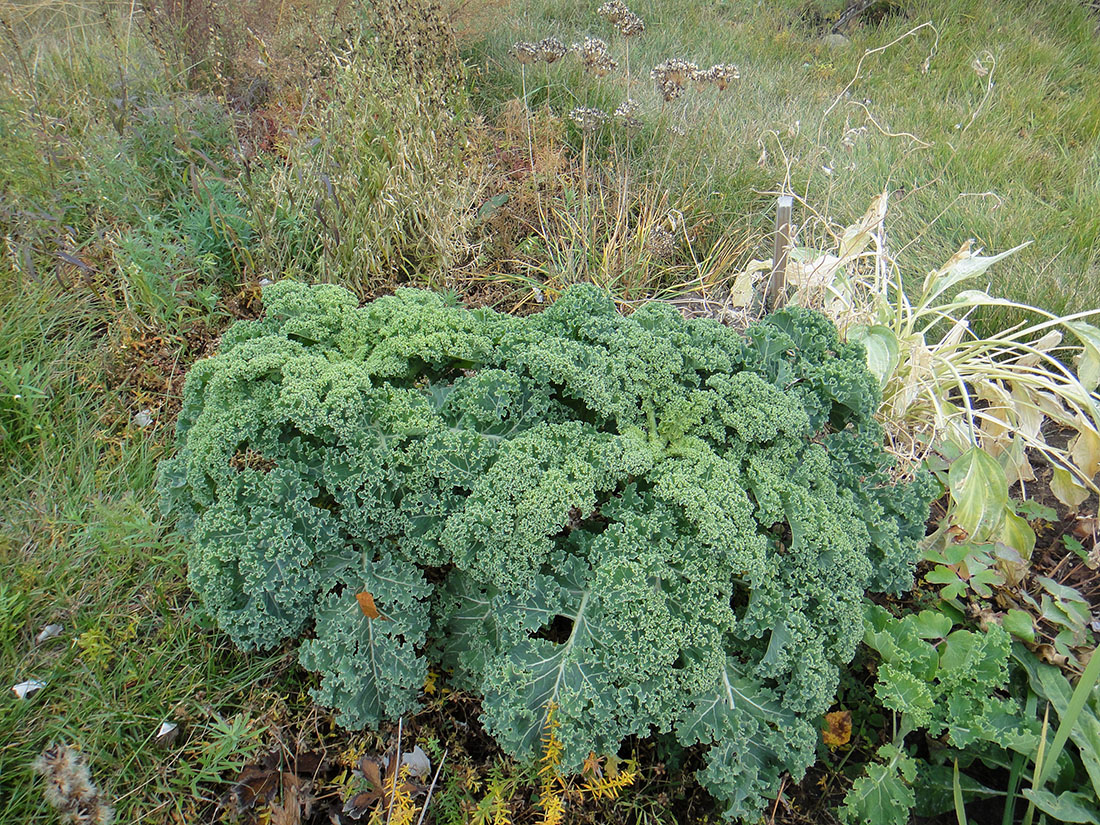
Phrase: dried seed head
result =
(627, 108)
(613, 10)
(676, 69)
(588, 119)
(630, 25)
(69, 787)
(667, 88)
(592, 49)
(595, 56)
(625, 114)
(602, 66)
(550, 49)
(660, 243)
(526, 53)
(722, 74)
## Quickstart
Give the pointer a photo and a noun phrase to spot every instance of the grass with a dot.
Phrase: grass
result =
(141, 200)
(978, 116)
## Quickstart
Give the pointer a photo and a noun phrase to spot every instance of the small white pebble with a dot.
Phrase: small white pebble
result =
(167, 733)
(418, 762)
(28, 688)
(48, 632)
(144, 418)
(266, 282)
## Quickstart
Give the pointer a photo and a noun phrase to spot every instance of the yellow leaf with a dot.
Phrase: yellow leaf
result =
(1085, 451)
(838, 728)
(366, 604)
(1066, 489)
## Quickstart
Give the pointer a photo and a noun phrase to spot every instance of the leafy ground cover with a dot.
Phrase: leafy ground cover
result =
(154, 169)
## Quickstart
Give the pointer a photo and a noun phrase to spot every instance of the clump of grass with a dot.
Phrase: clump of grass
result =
(383, 189)
(921, 116)
(611, 219)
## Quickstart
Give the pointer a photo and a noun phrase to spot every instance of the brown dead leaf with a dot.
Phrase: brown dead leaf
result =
(289, 812)
(1047, 653)
(838, 728)
(1085, 528)
(255, 786)
(366, 604)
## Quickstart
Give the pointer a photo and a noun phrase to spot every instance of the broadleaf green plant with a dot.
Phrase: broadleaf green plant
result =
(946, 683)
(647, 523)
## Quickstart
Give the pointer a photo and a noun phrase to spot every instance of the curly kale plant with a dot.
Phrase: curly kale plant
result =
(653, 524)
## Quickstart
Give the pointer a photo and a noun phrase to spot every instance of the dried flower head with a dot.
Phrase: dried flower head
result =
(671, 75)
(630, 25)
(627, 108)
(722, 74)
(676, 69)
(550, 49)
(625, 114)
(603, 66)
(69, 787)
(660, 243)
(526, 53)
(588, 119)
(613, 10)
(700, 77)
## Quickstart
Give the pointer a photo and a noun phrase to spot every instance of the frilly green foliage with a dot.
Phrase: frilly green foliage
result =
(654, 523)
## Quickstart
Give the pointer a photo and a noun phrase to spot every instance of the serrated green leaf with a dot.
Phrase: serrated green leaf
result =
(884, 796)
(902, 692)
(370, 668)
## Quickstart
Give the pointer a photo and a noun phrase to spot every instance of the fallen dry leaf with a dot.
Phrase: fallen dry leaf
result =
(838, 728)
(366, 604)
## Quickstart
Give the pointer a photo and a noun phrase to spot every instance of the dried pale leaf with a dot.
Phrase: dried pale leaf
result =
(419, 764)
(166, 734)
(1088, 363)
(838, 728)
(1085, 451)
(28, 688)
(1029, 418)
(1045, 344)
(856, 237)
(1051, 405)
(811, 273)
(954, 335)
(1066, 489)
(1017, 464)
(741, 291)
(963, 265)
